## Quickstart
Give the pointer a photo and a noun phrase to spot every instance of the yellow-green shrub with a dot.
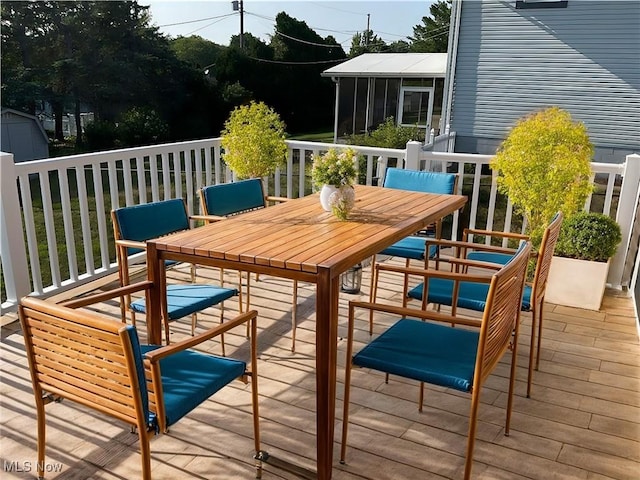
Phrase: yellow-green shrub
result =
(254, 141)
(544, 166)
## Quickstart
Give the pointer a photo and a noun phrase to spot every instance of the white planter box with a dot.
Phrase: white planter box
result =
(576, 283)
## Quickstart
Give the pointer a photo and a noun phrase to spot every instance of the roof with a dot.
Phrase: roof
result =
(10, 111)
(416, 65)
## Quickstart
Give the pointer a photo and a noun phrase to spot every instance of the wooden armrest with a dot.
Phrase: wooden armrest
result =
(432, 273)
(276, 199)
(131, 244)
(102, 296)
(207, 218)
(413, 312)
(467, 246)
(155, 355)
(491, 233)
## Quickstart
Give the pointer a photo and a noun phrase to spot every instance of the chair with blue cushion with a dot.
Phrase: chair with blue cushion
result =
(225, 200)
(91, 359)
(418, 347)
(412, 247)
(473, 296)
(132, 227)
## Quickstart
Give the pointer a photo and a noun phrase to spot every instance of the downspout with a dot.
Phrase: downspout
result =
(335, 119)
(452, 49)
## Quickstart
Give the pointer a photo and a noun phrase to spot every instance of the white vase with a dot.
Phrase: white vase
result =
(325, 193)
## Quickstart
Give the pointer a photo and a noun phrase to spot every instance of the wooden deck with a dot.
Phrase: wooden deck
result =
(582, 422)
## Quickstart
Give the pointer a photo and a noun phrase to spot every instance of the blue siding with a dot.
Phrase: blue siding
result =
(584, 58)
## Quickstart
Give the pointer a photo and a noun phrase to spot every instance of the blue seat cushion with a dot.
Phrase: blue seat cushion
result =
(423, 351)
(470, 295)
(185, 299)
(190, 377)
(409, 247)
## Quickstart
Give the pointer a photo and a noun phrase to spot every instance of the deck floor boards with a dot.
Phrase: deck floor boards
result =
(582, 421)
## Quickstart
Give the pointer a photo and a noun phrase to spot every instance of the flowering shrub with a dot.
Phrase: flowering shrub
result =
(342, 201)
(334, 168)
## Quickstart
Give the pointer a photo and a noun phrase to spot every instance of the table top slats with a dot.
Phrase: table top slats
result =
(299, 235)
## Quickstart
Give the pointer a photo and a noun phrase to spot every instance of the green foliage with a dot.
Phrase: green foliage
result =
(254, 141)
(100, 135)
(388, 135)
(433, 34)
(335, 167)
(141, 126)
(589, 236)
(544, 166)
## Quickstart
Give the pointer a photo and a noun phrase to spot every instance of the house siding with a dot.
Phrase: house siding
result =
(584, 58)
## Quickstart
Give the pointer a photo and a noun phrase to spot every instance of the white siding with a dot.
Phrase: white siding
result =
(584, 58)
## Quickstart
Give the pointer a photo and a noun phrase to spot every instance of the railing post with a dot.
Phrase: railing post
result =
(627, 205)
(12, 242)
(412, 159)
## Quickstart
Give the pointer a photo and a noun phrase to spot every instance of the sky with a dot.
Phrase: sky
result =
(215, 20)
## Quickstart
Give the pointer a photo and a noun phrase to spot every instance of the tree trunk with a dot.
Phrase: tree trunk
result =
(79, 141)
(58, 113)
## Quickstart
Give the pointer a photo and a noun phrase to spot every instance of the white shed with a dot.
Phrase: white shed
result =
(23, 136)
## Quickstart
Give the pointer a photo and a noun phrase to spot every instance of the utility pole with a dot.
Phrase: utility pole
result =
(366, 37)
(238, 5)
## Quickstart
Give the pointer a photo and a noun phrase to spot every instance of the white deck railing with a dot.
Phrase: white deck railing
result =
(69, 200)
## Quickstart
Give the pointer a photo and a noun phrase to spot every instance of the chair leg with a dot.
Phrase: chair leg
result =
(373, 291)
(471, 437)
(532, 349)
(421, 397)
(248, 306)
(41, 433)
(194, 320)
(539, 308)
(294, 313)
(347, 389)
(145, 452)
(512, 380)
(222, 334)
(405, 286)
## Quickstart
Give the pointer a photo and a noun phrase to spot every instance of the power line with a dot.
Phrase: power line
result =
(306, 42)
(195, 21)
(282, 62)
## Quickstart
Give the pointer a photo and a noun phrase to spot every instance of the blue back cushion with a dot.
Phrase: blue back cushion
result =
(428, 182)
(142, 382)
(229, 198)
(151, 220)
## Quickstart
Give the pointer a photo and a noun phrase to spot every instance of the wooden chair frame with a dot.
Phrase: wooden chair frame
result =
(89, 358)
(122, 255)
(436, 227)
(499, 329)
(209, 218)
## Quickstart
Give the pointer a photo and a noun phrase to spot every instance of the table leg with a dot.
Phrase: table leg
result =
(327, 292)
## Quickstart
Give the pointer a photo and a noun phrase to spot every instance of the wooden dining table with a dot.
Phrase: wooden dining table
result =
(300, 241)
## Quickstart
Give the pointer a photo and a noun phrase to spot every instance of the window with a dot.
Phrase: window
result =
(416, 106)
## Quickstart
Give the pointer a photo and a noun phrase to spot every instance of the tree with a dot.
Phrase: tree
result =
(366, 42)
(433, 35)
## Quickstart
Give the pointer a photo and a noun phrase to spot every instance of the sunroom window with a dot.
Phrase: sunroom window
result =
(416, 106)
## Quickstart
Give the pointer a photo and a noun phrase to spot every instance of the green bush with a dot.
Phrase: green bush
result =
(589, 236)
(100, 135)
(254, 141)
(388, 135)
(141, 126)
(544, 166)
